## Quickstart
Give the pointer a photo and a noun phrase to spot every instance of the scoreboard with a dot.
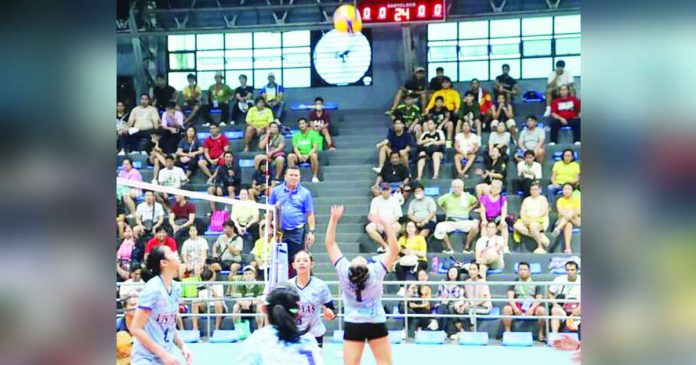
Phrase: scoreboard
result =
(401, 11)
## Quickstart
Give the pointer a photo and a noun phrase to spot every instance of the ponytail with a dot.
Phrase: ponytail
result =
(285, 324)
(152, 265)
(358, 276)
(282, 307)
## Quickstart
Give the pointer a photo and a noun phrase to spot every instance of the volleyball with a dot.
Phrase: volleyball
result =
(347, 19)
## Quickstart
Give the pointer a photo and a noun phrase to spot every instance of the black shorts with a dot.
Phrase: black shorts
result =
(364, 331)
(320, 341)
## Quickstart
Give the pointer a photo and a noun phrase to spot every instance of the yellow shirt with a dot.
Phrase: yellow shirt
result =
(192, 93)
(566, 172)
(259, 119)
(451, 97)
(257, 251)
(572, 203)
(416, 244)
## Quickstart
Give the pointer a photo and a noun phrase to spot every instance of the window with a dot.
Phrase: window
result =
(287, 54)
(529, 45)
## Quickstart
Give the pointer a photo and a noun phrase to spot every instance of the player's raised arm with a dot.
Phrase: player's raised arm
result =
(392, 243)
(331, 245)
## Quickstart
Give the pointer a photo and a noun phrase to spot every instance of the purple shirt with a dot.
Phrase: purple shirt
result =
(493, 208)
(173, 122)
(133, 174)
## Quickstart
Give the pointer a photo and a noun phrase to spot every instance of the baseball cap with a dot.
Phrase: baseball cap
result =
(385, 186)
(271, 74)
(249, 268)
(420, 69)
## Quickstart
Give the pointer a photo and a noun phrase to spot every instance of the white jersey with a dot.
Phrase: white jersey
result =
(264, 347)
(161, 324)
(312, 298)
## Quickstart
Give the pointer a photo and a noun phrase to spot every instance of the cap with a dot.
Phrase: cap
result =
(249, 268)
(219, 73)
(271, 74)
(419, 69)
(385, 186)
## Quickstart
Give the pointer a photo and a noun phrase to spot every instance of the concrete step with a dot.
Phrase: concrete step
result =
(323, 216)
(352, 208)
(353, 160)
(355, 151)
(364, 174)
(348, 248)
(359, 140)
(342, 227)
(324, 200)
(348, 168)
(364, 130)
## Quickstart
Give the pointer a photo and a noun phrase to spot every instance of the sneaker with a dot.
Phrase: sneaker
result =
(552, 143)
(315, 179)
(539, 250)
(121, 153)
(454, 337)
(381, 250)
(231, 122)
(577, 143)
(154, 181)
(448, 144)
(433, 326)
(449, 252)
(205, 125)
(465, 251)
(332, 148)
(401, 292)
(222, 124)
(548, 111)
(377, 170)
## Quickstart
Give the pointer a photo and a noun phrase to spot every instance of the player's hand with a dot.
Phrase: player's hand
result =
(565, 343)
(337, 212)
(309, 239)
(378, 220)
(188, 355)
(329, 314)
(169, 359)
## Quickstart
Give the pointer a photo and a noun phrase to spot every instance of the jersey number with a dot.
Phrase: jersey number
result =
(309, 355)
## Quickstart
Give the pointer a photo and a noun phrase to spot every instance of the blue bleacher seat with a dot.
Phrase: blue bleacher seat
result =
(234, 134)
(337, 336)
(431, 337)
(495, 311)
(395, 336)
(432, 191)
(190, 336)
(224, 336)
(137, 164)
(289, 133)
(517, 339)
(493, 272)
(558, 155)
(473, 338)
(534, 267)
(215, 111)
(533, 96)
(202, 135)
(553, 336)
(246, 162)
(304, 164)
(302, 106)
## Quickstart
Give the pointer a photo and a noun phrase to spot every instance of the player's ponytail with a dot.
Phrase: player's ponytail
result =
(152, 265)
(282, 307)
(358, 275)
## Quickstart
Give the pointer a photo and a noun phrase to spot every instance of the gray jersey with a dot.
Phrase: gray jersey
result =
(312, 298)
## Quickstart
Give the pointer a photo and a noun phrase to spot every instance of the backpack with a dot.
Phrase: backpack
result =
(217, 219)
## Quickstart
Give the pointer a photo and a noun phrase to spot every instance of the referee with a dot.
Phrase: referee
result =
(297, 221)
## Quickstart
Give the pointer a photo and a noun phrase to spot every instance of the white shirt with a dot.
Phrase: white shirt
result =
(467, 144)
(529, 172)
(563, 79)
(569, 291)
(191, 250)
(389, 209)
(172, 178)
(212, 291)
(129, 287)
(146, 212)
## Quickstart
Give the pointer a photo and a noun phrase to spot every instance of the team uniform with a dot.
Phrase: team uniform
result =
(161, 325)
(364, 319)
(264, 347)
(312, 298)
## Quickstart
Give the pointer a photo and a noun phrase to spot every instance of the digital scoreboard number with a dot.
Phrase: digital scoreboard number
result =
(401, 11)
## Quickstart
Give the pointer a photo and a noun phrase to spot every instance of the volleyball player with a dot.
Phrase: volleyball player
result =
(361, 281)
(314, 294)
(282, 342)
(154, 322)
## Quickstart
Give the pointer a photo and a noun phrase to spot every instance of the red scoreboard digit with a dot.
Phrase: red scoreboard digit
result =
(401, 11)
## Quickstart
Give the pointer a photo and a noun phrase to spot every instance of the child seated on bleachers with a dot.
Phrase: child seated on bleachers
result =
(258, 181)
(319, 120)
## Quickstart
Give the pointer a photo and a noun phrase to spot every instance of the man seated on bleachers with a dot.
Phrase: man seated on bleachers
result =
(466, 146)
(558, 77)
(257, 119)
(243, 99)
(436, 82)
(227, 179)
(143, 121)
(485, 102)
(470, 113)
(531, 138)
(246, 296)
(398, 140)
(182, 215)
(422, 211)
(161, 238)
(392, 173)
(171, 176)
(506, 84)
(565, 111)
(415, 87)
(457, 206)
(210, 297)
(213, 148)
(149, 215)
(563, 291)
(320, 121)
(410, 114)
(528, 171)
(219, 96)
(305, 147)
(523, 298)
(274, 94)
(227, 249)
(172, 122)
(192, 98)
(163, 93)
(449, 94)
(534, 218)
(386, 206)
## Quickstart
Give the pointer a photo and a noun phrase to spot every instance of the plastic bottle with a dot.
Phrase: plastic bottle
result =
(435, 265)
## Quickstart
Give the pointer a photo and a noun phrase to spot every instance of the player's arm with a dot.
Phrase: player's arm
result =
(331, 246)
(179, 342)
(137, 330)
(393, 244)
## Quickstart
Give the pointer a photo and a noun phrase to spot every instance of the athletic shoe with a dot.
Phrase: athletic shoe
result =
(552, 143)
(465, 251)
(449, 252)
(205, 125)
(577, 143)
(222, 124)
(315, 179)
(121, 153)
(143, 153)
(455, 336)
(381, 250)
(433, 325)
(377, 170)
(401, 292)
(539, 250)
(548, 111)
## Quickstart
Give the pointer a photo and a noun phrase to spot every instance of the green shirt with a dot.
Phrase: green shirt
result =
(408, 115)
(221, 93)
(189, 290)
(457, 207)
(245, 291)
(305, 141)
(474, 108)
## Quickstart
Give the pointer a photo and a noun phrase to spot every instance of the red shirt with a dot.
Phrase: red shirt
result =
(313, 115)
(568, 108)
(154, 242)
(216, 146)
(183, 212)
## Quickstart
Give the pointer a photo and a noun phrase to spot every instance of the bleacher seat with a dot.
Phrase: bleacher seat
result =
(246, 162)
(495, 311)
(190, 336)
(431, 337)
(328, 105)
(473, 338)
(337, 336)
(552, 336)
(534, 267)
(517, 339)
(432, 191)
(396, 336)
(224, 336)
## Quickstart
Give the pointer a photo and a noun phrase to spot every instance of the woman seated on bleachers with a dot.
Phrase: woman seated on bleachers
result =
(494, 208)
(534, 218)
(567, 170)
(478, 297)
(420, 306)
(276, 148)
(431, 144)
(568, 207)
(452, 296)
(412, 254)
(501, 113)
(489, 249)
(495, 167)
(194, 252)
(188, 152)
(500, 138)
(127, 194)
(245, 218)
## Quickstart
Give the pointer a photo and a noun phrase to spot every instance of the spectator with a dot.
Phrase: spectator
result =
(500, 139)
(213, 149)
(565, 171)
(163, 93)
(243, 96)
(245, 217)
(412, 253)
(414, 88)
(142, 122)
(257, 119)
(247, 296)
(124, 323)
(149, 215)
(124, 255)
(478, 297)
(501, 113)
(484, 99)
(194, 253)
(410, 114)
(128, 194)
(258, 180)
(182, 215)
(470, 113)
(274, 95)
(262, 249)
(489, 249)
(449, 94)
(211, 297)
(528, 171)
(534, 218)
(532, 139)
(157, 154)
(227, 249)
(466, 146)
(192, 98)
(296, 213)
(559, 77)
(276, 148)
(134, 285)
(431, 145)
(494, 208)
(441, 116)
(228, 179)
(320, 121)
(305, 146)
(161, 238)
(219, 96)
(421, 307)
(523, 300)
(457, 206)
(565, 111)
(189, 151)
(568, 207)
(505, 84)
(398, 140)
(393, 173)
(172, 122)
(568, 292)
(122, 115)
(387, 207)
(422, 211)
(436, 82)
(171, 176)
(452, 302)
(495, 167)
